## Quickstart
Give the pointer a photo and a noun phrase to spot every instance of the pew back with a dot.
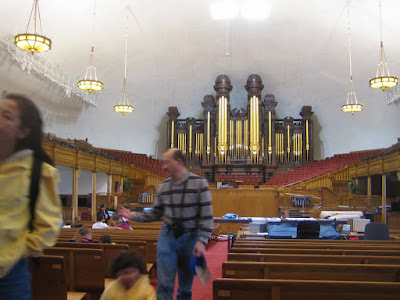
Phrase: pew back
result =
(295, 250)
(84, 267)
(48, 278)
(311, 271)
(278, 289)
(312, 258)
(110, 251)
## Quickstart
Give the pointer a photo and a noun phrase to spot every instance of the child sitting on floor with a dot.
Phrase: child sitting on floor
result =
(131, 282)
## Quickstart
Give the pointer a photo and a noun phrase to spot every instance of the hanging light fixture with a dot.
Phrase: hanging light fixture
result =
(90, 83)
(351, 105)
(383, 79)
(123, 106)
(33, 42)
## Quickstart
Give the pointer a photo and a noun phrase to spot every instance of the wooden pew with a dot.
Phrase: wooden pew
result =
(317, 246)
(312, 258)
(110, 251)
(319, 241)
(302, 241)
(84, 267)
(279, 289)
(49, 280)
(144, 243)
(68, 233)
(311, 271)
(296, 250)
(147, 248)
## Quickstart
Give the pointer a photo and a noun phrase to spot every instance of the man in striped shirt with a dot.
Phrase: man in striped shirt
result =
(183, 202)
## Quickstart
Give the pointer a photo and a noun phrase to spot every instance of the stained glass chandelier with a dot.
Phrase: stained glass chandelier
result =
(33, 41)
(382, 79)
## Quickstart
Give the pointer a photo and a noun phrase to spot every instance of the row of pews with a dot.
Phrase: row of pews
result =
(76, 271)
(310, 269)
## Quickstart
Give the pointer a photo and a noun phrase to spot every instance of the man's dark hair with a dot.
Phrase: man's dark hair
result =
(178, 155)
(99, 217)
(128, 260)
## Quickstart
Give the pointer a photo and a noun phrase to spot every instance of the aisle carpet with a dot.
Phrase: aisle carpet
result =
(215, 255)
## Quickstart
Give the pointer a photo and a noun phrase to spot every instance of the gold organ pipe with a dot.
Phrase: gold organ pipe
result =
(225, 125)
(201, 146)
(288, 142)
(196, 146)
(307, 145)
(231, 137)
(244, 135)
(215, 146)
(307, 140)
(269, 135)
(220, 133)
(257, 129)
(279, 146)
(172, 134)
(301, 147)
(236, 140)
(208, 132)
(190, 141)
(262, 146)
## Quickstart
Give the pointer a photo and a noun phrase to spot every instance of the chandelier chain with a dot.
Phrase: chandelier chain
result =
(348, 24)
(94, 25)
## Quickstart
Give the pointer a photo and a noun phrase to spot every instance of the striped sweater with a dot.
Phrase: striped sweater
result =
(187, 202)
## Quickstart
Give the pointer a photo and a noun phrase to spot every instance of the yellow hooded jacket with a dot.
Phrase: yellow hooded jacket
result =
(16, 240)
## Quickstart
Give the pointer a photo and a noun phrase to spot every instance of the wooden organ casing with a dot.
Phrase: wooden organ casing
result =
(249, 140)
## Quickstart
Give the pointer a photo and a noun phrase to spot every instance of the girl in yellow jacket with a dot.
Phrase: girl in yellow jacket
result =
(132, 282)
(23, 233)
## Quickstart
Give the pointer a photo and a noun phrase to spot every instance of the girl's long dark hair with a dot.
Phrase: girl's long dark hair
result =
(30, 118)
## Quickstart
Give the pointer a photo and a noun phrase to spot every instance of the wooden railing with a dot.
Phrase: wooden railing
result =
(363, 201)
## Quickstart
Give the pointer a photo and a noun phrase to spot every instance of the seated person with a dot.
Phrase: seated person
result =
(124, 224)
(77, 222)
(131, 282)
(106, 239)
(83, 235)
(101, 225)
(67, 224)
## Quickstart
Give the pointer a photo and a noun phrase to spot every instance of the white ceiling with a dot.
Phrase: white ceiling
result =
(176, 50)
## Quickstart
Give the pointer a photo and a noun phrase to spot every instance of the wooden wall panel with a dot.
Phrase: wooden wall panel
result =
(245, 203)
(103, 165)
(116, 167)
(375, 166)
(391, 162)
(153, 180)
(361, 170)
(64, 156)
(48, 148)
(86, 161)
(136, 173)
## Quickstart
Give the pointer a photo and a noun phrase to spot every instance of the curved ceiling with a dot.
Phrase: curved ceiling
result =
(176, 50)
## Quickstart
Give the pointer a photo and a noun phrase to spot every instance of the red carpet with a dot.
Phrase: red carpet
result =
(216, 254)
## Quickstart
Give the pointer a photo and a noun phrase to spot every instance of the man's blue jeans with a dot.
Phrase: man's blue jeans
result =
(172, 254)
(17, 283)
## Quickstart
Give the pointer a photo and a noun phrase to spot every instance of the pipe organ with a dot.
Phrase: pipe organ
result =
(244, 140)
